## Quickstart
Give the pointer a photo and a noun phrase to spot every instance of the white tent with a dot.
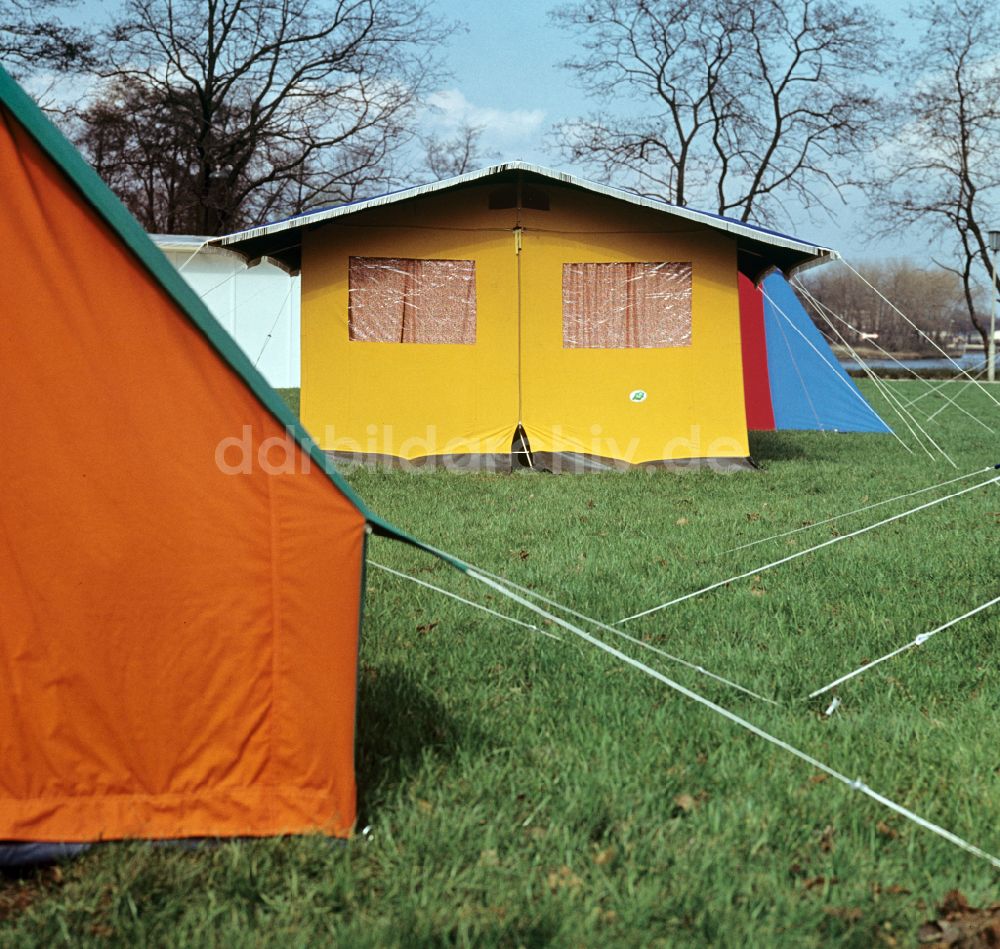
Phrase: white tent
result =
(258, 306)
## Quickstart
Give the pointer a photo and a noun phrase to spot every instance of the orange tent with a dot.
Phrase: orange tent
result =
(181, 572)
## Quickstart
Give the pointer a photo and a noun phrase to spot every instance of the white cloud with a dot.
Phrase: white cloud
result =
(449, 109)
(56, 92)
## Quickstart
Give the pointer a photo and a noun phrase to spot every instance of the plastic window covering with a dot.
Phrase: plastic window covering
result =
(626, 305)
(398, 300)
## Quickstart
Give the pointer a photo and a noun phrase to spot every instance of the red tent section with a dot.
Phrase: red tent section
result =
(756, 386)
(792, 379)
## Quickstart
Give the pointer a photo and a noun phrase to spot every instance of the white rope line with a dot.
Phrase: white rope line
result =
(880, 387)
(860, 510)
(462, 599)
(855, 784)
(885, 299)
(810, 299)
(224, 281)
(919, 641)
(906, 423)
(931, 388)
(809, 550)
(623, 635)
(835, 369)
(850, 385)
(880, 384)
(215, 287)
(894, 402)
(948, 401)
(281, 309)
(980, 368)
(795, 365)
(903, 413)
(194, 254)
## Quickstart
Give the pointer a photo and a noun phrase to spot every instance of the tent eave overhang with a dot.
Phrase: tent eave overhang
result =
(760, 250)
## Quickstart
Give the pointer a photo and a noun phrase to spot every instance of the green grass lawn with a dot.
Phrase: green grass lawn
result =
(526, 791)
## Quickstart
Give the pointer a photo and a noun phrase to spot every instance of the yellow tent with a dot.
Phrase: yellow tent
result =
(517, 310)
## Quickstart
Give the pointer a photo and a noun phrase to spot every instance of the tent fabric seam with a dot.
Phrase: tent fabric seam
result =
(275, 637)
(164, 795)
(805, 389)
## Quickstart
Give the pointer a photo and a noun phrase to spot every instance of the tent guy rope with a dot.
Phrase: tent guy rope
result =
(881, 386)
(823, 309)
(850, 385)
(795, 365)
(809, 550)
(918, 641)
(979, 368)
(834, 369)
(274, 325)
(620, 633)
(950, 400)
(858, 510)
(855, 784)
(896, 309)
(701, 670)
(194, 254)
(203, 294)
(461, 599)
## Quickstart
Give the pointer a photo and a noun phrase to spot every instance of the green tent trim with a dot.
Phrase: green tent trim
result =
(103, 200)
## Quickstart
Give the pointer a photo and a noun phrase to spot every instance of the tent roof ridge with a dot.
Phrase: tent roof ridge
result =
(732, 226)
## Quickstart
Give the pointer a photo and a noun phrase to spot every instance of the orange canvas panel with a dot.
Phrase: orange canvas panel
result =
(179, 583)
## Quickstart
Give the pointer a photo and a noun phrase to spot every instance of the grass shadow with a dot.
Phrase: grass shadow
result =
(22, 887)
(400, 722)
(775, 446)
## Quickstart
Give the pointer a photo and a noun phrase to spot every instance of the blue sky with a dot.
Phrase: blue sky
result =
(505, 76)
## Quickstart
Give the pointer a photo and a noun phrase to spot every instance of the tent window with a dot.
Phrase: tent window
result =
(398, 300)
(626, 306)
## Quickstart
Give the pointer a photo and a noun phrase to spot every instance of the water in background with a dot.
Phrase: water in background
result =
(969, 360)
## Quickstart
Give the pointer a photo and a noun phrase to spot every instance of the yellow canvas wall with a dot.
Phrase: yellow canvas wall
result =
(409, 400)
(578, 399)
(412, 399)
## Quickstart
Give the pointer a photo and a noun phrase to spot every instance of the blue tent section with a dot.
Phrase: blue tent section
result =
(810, 391)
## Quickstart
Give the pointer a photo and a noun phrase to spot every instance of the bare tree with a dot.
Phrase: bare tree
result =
(450, 157)
(34, 37)
(732, 104)
(218, 113)
(144, 146)
(944, 169)
(932, 296)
